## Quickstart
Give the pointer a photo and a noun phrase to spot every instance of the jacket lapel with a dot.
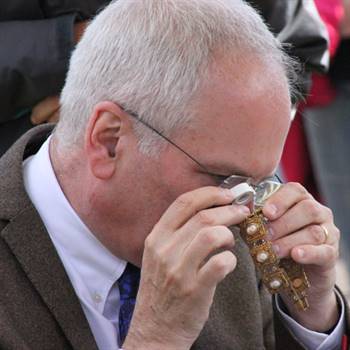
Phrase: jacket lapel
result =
(29, 241)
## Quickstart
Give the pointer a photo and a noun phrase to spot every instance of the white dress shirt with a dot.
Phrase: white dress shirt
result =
(93, 270)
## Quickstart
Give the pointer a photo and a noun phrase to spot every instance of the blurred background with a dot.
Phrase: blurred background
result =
(317, 150)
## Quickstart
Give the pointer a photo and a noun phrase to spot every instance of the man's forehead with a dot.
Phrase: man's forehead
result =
(246, 73)
(238, 94)
(242, 131)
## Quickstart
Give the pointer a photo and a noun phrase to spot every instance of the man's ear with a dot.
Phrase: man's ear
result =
(106, 125)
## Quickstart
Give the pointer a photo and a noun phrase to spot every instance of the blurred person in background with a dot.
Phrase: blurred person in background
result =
(36, 41)
(317, 148)
(327, 126)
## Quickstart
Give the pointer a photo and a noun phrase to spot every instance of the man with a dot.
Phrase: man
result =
(163, 100)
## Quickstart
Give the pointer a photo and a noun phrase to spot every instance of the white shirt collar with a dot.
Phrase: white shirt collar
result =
(77, 246)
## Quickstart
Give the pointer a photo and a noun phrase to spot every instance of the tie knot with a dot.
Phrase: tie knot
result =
(129, 282)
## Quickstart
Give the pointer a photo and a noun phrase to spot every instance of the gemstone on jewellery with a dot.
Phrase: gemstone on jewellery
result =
(251, 229)
(297, 282)
(275, 283)
(262, 256)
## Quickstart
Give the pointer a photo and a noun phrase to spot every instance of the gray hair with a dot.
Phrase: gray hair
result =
(151, 56)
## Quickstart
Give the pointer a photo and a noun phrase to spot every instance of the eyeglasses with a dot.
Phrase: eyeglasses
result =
(225, 180)
(204, 168)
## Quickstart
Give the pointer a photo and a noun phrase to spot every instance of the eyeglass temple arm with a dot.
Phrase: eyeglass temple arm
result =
(134, 115)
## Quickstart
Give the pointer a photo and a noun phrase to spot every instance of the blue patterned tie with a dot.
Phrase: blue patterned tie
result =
(128, 285)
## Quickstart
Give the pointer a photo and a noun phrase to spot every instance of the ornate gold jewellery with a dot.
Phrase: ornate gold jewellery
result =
(278, 275)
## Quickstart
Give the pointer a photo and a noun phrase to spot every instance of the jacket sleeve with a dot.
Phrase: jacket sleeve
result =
(84, 9)
(285, 340)
(33, 61)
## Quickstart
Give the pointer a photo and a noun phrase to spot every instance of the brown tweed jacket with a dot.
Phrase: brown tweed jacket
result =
(39, 308)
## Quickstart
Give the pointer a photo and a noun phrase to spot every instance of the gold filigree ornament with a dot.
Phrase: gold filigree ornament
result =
(278, 275)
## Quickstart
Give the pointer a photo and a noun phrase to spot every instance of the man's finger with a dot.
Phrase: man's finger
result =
(310, 235)
(54, 117)
(190, 203)
(282, 200)
(206, 242)
(302, 214)
(323, 255)
(44, 109)
(216, 269)
(227, 215)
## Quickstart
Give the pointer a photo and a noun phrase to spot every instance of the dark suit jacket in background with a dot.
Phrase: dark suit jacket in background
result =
(36, 41)
(38, 306)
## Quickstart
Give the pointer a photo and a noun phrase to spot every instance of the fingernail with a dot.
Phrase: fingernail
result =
(271, 209)
(301, 253)
(270, 234)
(276, 248)
(244, 209)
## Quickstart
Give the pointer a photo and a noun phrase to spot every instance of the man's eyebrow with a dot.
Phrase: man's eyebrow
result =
(220, 169)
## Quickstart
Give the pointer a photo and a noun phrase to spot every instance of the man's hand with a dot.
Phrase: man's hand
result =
(79, 29)
(46, 111)
(297, 229)
(185, 257)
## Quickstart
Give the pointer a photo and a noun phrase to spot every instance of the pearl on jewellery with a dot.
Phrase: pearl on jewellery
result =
(251, 229)
(275, 284)
(261, 257)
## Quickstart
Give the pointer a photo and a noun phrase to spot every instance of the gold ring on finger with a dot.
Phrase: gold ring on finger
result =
(326, 234)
